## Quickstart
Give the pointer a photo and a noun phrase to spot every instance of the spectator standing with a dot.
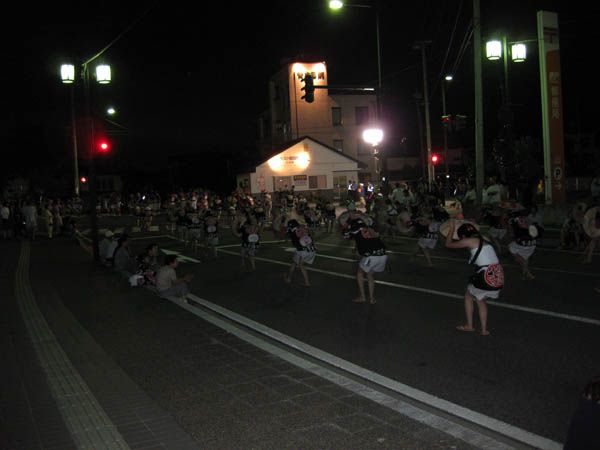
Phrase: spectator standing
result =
(29, 212)
(167, 282)
(4, 220)
(595, 188)
(585, 423)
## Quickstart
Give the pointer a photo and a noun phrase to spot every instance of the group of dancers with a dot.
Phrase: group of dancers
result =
(506, 221)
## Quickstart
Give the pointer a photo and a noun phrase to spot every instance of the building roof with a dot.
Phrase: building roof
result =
(289, 144)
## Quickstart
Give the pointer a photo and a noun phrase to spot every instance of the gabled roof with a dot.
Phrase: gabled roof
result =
(289, 144)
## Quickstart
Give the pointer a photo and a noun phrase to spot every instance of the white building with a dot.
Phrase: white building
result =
(306, 164)
(337, 117)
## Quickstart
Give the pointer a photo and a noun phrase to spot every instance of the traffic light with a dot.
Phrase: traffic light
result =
(309, 88)
(103, 146)
(435, 159)
(460, 122)
(83, 180)
(447, 121)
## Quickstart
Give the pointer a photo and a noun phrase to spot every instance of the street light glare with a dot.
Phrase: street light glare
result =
(336, 4)
(519, 52)
(373, 136)
(111, 111)
(493, 50)
(67, 73)
(449, 77)
(103, 74)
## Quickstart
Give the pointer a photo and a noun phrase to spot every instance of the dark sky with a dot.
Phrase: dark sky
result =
(195, 78)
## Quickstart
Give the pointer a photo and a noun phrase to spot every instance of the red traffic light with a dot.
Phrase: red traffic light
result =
(435, 159)
(103, 146)
(83, 180)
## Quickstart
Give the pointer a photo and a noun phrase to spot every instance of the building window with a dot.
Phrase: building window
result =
(338, 144)
(340, 182)
(362, 114)
(362, 148)
(336, 116)
(317, 181)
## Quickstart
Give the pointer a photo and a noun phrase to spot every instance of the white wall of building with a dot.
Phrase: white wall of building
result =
(307, 165)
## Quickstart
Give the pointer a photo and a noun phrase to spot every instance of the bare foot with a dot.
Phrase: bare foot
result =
(485, 333)
(465, 328)
(359, 300)
(373, 301)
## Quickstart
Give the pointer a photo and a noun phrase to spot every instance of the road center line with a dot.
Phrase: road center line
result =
(537, 311)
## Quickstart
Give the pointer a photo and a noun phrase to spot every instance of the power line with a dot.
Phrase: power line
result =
(449, 47)
(466, 42)
(125, 31)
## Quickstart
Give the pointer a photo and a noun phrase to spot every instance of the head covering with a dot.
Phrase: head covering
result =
(108, 234)
(293, 224)
(467, 230)
(136, 280)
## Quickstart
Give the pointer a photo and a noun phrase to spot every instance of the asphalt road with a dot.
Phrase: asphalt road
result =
(528, 373)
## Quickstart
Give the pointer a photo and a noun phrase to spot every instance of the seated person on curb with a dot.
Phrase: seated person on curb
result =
(105, 245)
(167, 283)
(123, 259)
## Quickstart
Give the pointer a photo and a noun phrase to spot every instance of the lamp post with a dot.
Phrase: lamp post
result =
(421, 46)
(67, 72)
(337, 5)
(448, 78)
(374, 136)
(103, 76)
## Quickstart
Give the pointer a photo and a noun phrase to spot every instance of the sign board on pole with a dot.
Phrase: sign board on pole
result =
(552, 111)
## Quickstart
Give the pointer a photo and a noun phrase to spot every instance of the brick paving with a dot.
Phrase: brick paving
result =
(168, 379)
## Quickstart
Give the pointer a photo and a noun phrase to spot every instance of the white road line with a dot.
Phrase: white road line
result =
(470, 436)
(541, 312)
(321, 255)
(447, 258)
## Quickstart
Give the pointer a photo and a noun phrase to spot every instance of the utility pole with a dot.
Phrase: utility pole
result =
(74, 137)
(421, 45)
(479, 156)
(445, 127)
(418, 97)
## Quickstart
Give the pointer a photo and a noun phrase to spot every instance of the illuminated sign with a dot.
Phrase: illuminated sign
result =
(316, 70)
(300, 160)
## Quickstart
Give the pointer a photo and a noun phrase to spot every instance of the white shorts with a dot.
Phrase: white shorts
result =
(497, 233)
(521, 250)
(427, 243)
(481, 294)
(304, 257)
(372, 263)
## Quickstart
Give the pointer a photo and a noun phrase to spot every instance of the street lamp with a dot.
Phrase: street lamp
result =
(103, 76)
(337, 5)
(111, 111)
(448, 78)
(374, 136)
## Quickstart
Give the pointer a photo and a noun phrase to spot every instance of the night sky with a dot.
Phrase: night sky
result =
(189, 80)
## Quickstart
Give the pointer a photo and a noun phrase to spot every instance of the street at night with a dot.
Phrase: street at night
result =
(319, 225)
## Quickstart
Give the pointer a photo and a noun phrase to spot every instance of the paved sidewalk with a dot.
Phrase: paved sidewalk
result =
(168, 379)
